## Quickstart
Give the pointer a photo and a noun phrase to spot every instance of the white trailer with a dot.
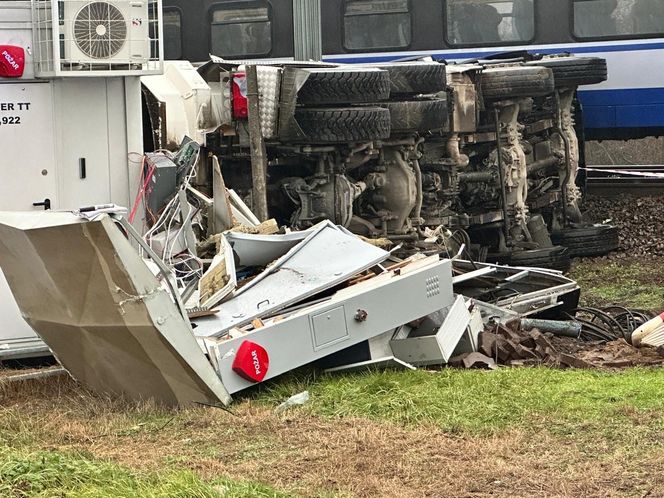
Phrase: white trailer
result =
(70, 114)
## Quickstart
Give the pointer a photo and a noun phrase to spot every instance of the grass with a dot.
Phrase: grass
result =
(485, 403)
(50, 474)
(378, 434)
(513, 432)
(631, 282)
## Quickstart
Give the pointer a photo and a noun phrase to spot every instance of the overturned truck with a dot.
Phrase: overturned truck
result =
(481, 156)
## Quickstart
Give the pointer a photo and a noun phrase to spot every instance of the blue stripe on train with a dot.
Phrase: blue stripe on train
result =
(576, 49)
(630, 108)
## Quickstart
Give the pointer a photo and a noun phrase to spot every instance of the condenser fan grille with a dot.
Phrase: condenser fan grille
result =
(100, 30)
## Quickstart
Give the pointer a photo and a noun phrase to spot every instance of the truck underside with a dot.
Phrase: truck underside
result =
(481, 157)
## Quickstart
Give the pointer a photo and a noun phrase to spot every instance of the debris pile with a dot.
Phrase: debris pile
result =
(638, 220)
(208, 300)
(512, 344)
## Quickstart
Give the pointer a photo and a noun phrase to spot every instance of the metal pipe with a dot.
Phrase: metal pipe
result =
(555, 327)
(477, 176)
(52, 372)
(501, 176)
(412, 236)
(19, 353)
(535, 166)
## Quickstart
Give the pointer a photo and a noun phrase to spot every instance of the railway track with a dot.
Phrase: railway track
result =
(623, 179)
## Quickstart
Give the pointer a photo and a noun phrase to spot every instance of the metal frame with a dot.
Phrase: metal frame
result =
(351, 316)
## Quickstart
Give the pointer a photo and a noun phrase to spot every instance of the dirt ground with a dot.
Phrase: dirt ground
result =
(305, 454)
(312, 456)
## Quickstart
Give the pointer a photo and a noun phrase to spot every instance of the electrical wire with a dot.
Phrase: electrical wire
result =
(608, 324)
(170, 224)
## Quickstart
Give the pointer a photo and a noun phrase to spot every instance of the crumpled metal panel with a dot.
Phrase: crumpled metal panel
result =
(437, 337)
(88, 294)
(261, 250)
(351, 315)
(329, 256)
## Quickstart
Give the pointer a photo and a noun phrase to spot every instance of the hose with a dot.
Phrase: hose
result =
(608, 324)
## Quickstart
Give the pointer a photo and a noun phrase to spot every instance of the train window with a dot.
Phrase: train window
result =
(172, 20)
(375, 24)
(490, 22)
(618, 18)
(240, 31)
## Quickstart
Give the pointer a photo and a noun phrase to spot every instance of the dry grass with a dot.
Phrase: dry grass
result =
(301, 453)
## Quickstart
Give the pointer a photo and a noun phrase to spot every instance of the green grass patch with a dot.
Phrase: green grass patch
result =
(47, 474)
(632, 283)
(481, 402)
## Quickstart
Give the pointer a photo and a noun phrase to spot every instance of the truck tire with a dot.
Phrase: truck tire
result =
(596, 240)
(553, 258)
(512, 82)
(354, 124)
(575, 71)
(418, 115)
(344, 87)
(415, 78)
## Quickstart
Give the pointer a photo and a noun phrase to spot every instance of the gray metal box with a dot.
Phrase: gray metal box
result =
(163, 183)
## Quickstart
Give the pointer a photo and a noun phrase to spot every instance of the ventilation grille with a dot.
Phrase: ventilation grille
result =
(100, 30)
(96, 37)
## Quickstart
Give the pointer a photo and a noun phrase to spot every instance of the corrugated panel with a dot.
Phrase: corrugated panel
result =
(307, 32)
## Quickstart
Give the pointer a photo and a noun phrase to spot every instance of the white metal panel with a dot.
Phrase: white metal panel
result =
(438, 347)
(82, 116)
(119, 121)
(289, 342)
(16, 333)
(261, 250)
(297, 275)
(28, 173)
(126, 186)
(27, 167)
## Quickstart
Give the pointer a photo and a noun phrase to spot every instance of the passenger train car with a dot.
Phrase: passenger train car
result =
(629, 34)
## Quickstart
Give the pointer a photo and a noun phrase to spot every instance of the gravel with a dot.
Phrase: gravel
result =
(638, 218)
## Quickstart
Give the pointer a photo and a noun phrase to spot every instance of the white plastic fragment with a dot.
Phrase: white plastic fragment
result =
(296, 400)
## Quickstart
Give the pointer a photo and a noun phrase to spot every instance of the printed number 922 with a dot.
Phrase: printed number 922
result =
(10, 120)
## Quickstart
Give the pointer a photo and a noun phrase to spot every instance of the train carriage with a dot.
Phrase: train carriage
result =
(629, 34)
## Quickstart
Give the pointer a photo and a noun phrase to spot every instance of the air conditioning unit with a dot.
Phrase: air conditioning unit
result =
(113, 33)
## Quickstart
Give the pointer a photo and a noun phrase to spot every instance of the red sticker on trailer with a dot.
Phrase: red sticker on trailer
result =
(251, 362)
(12, 61)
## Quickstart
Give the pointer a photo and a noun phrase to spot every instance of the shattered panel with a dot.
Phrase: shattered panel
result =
(292, 342)
(94, 302)
(327, 257)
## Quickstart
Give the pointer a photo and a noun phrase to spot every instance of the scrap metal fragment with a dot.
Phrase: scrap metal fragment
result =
(95, 303)
(295, 277)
